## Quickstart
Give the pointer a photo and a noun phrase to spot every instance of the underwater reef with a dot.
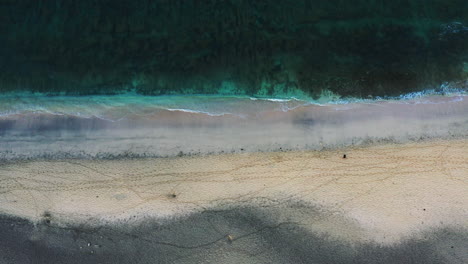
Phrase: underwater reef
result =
(359, 48)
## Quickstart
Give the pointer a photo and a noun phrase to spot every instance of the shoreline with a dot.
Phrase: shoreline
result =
(356, 143)
(153, 133)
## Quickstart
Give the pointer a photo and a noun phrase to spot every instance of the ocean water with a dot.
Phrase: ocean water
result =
(130, 125)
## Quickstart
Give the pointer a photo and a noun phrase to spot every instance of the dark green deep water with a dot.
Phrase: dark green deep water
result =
(236, 47)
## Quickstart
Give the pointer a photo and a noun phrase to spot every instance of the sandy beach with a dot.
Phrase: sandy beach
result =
(379, 193)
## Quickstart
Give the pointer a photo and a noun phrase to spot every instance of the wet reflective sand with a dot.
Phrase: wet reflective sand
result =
(252, 127)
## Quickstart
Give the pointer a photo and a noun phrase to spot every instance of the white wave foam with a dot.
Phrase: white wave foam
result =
(273, 99)
(117, 107)
(196, 112)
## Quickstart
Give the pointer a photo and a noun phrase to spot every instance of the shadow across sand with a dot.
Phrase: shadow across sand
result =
(234, 235)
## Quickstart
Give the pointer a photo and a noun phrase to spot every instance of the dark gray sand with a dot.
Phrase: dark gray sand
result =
(236, 234)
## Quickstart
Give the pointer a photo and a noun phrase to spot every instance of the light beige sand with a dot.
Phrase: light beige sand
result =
(386, 191)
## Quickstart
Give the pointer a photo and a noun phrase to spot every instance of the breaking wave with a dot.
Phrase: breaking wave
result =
(118, 107)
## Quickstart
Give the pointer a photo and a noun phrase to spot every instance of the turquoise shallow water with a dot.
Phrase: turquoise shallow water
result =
(116, 107)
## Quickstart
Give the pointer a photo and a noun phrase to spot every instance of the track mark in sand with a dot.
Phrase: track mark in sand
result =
(198, 182)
